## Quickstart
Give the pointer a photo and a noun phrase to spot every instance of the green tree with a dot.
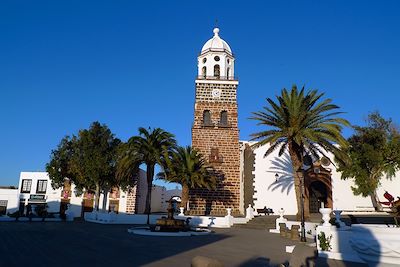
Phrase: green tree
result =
(187, 167)
(149, 148)
(302, 123)
(89, 160)
(374, 152)
(59, 166)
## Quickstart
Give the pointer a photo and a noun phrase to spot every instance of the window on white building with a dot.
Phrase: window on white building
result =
(26, 186)
(41, 186)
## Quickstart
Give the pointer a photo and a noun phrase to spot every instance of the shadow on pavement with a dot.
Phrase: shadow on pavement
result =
(88, 244)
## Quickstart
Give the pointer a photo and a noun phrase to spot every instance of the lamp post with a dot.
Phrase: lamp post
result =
(276, 177)
(300, 174)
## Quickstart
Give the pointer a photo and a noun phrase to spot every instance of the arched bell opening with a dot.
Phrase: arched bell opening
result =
(216, 71)
(204, 72)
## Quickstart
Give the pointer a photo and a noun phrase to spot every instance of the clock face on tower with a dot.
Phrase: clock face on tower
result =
(216, 93)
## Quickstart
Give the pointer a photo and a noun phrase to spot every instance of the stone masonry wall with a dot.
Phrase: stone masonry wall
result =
(220, 139)
(249, 158)
(131, 201)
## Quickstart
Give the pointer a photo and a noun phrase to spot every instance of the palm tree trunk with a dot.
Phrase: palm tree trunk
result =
(97, 197)
(150, 174)
(185, 195)
(297, 164)
(375, 201)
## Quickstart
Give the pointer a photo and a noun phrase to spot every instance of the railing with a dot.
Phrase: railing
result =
(223, 78)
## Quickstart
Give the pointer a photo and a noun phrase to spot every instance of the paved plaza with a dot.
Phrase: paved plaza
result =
(89, 244)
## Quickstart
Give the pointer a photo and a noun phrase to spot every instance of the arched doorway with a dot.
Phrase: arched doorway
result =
(318, 194)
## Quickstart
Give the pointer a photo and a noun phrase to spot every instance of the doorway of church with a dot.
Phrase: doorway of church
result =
(318, 194)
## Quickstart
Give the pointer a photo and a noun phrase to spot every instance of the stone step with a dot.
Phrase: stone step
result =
(261, 222)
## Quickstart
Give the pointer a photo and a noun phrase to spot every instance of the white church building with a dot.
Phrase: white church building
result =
(258, 181)
(268, 182)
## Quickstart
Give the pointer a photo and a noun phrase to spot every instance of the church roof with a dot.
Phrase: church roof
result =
(216, 44)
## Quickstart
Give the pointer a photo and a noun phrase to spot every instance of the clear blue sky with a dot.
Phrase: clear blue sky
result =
(65, 64)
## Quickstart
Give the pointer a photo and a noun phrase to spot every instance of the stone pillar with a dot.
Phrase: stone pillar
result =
(249, 213)
(280, 220)
(229, 217)
(181, 211)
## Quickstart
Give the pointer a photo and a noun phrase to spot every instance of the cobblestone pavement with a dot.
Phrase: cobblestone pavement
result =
(88, 244)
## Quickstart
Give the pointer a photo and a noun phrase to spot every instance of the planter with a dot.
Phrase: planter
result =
(326, 215)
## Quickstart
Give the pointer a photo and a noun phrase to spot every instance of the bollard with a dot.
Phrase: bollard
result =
(288, 233)
(295, 232)
(282, 229)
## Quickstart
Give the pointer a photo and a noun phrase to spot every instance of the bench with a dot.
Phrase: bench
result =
(265, 210)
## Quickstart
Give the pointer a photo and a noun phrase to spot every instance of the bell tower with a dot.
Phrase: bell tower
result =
(215, 131)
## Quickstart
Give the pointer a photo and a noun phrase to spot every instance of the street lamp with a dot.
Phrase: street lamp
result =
(300, 174)
(276, 177)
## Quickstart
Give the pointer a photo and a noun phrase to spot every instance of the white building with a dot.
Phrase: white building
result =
(8, 200)
(160, 197)
(35, 190)
(268, 182)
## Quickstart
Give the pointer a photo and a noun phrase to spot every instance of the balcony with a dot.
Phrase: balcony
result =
(217, 78)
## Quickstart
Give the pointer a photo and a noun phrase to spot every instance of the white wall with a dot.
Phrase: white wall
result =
(160, 197)
(269, 193)
(210, 63)
(52, 196)
(11, 195)
(141, 192)
(277, 195)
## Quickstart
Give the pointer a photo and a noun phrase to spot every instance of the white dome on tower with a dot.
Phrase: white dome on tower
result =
(216, 44)
(216, 61)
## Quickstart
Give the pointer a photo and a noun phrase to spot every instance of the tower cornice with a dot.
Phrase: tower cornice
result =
(234, 82)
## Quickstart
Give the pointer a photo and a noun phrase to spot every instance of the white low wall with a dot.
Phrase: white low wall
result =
(208, 221)
(377, 245)
(112, 218)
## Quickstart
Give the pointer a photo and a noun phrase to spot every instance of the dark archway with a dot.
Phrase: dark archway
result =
(216, 71)
(204, 72)
(318, 193)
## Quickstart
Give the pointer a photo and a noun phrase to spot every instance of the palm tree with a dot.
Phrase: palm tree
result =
(148, 148)
(304, 124)
(187, 167)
